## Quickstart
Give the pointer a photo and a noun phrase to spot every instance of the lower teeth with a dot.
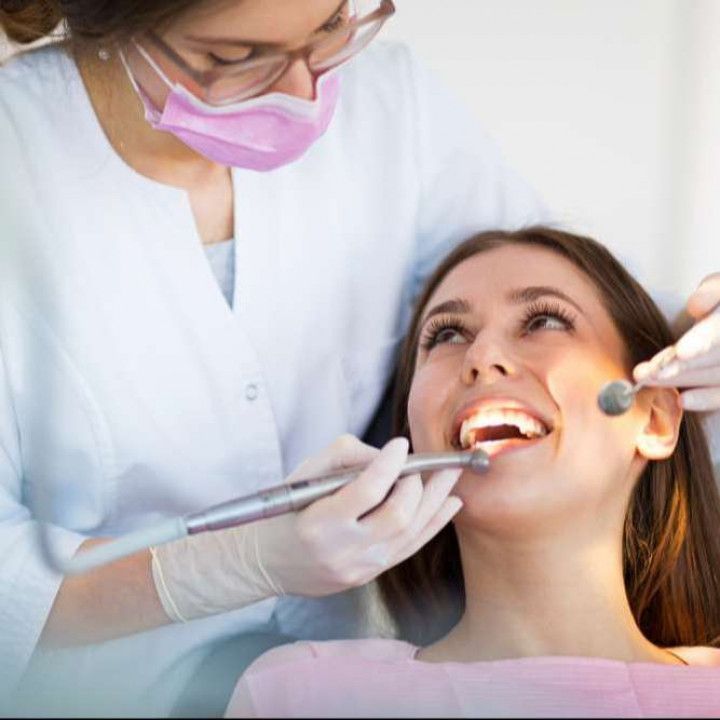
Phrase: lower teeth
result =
(480, 443)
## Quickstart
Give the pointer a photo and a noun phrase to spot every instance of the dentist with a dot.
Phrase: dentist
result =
(213, 216)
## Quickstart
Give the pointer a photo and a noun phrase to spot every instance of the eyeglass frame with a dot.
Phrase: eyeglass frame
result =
(205, 78)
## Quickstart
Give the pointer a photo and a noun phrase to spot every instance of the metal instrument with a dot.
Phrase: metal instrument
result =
(616, 397)
(277, 500)
(297, 495)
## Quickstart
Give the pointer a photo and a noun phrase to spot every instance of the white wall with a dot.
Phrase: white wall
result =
(698, 181)
(612, 110)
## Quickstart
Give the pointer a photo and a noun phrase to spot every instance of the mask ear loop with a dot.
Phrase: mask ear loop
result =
(152, 114)
(148, 59)
(159, 72)
(131, 77)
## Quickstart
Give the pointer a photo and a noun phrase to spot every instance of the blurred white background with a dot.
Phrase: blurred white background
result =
(611, 109)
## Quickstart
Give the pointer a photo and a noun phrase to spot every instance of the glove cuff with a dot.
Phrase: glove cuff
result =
(210, 573)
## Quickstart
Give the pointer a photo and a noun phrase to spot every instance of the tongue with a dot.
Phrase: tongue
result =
(496, 432)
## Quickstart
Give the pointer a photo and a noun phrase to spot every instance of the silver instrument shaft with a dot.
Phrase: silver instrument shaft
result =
(291, 497)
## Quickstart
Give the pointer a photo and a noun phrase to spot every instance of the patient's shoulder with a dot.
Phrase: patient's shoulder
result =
(699, 655)
(293, 680)
(378, 650)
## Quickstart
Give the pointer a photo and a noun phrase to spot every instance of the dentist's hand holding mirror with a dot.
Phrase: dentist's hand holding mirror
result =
(695, 368)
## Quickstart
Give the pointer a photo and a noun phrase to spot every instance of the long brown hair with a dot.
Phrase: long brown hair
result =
(672, 527)
(25, 21)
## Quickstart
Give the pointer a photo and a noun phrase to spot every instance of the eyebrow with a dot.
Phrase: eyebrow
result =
(458, 306)
(240, 42)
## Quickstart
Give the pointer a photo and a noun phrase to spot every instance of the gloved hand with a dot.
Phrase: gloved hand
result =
(697, 353)
(340, 541)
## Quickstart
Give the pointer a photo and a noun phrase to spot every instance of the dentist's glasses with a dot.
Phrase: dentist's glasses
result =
(359, 22)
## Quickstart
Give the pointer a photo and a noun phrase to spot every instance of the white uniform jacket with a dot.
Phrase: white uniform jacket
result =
(131, 392)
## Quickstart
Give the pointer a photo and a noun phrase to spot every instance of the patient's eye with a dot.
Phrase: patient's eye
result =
(547, 316)
(443, 331)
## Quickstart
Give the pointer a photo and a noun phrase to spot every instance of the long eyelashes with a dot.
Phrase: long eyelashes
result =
(539, 315)
(341, 18)
(544, 310)
(441, 327)
(335, 24)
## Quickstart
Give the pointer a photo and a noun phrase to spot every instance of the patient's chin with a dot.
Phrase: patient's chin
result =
(524, 500)
(541, 486)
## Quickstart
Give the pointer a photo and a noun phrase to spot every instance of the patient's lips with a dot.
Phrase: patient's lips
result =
(496, 425)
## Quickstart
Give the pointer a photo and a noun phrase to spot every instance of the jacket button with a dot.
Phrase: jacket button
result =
(251, 391)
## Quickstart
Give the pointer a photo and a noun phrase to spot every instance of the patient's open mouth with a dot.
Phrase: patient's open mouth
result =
(493, 428)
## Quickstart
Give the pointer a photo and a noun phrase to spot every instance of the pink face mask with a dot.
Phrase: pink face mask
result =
(262, 133)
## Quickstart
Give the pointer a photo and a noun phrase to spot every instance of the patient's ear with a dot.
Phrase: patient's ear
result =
(657, 440)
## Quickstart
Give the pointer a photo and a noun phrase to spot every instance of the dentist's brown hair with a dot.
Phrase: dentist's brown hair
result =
(87, 21)
(671, 553)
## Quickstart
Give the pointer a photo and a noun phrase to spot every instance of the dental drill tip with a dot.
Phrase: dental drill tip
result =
(616, 397)
(479, 461)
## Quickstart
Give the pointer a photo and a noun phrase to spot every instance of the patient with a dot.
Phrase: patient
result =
(582, 574)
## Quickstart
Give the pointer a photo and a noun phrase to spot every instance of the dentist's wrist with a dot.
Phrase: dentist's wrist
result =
(211, 573)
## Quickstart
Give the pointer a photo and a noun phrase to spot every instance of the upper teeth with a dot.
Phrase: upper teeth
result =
(528, 425)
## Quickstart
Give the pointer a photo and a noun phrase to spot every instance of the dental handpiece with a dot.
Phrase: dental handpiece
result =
(616, 397)
(268, 503)
(292, 497)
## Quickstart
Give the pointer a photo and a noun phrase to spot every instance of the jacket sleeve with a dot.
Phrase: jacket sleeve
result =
(28, 585)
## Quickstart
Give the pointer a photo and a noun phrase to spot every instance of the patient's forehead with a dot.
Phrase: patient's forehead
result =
(486, 279)
(490, 275)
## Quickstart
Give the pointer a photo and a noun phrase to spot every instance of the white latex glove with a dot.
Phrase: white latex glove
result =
(696, 369)
(340, 541)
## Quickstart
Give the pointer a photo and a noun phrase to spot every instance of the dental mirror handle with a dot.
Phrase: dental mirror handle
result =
(295, 496)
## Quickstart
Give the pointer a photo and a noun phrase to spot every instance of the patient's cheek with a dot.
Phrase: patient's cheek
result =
(587, 433)
(576, 379)
(418, 434)
(424, 416)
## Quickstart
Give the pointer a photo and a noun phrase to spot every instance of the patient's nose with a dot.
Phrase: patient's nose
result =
(485, 362)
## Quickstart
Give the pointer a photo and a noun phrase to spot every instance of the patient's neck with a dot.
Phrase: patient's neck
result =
(543, 596)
